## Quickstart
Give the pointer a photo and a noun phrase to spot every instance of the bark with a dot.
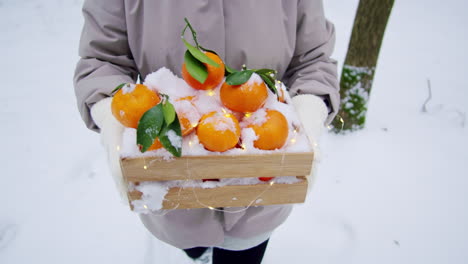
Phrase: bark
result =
(360, 64)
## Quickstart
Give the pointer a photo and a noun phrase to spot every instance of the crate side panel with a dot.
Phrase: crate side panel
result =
(216, 167)
(233, 196)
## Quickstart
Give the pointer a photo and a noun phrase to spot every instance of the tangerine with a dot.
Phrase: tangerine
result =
(281, 95)
(215, 74)
(156, 145)
(247, 97)
(218, 131)
(272, 133)
(187, 113)
(131, 102)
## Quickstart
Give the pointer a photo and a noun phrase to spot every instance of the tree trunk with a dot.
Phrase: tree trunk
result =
(360, 64)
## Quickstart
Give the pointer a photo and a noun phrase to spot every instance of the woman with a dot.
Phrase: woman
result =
(123, 40)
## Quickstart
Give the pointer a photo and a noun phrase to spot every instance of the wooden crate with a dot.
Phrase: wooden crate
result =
(140, 169)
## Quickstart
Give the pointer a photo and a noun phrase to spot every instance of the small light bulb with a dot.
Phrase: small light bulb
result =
(271, 183)
(293, 140)
(211, 208)
(210, 92)
(146, 207)
(247, 115)
(145, 167)
(244, 147)
(194, 125)
(118, 148)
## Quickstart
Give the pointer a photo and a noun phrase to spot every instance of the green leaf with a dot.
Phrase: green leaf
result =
(208, 50)
(270, 82)
(149, 127)
(229, 70)
(239, 78)
(195, 68)
(265, 71)
(118, 88)
(169, 112)
(176, 135)
(199, 55)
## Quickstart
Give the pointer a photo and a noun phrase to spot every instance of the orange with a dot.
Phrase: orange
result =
(273, 133)
(131, 102)
(156, 145)
(247, 97)
(187, 113)
(215, 74)
(218, 131)
(281, 95)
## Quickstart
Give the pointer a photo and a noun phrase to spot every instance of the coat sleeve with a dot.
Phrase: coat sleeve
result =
(311, 71)
(106, 59)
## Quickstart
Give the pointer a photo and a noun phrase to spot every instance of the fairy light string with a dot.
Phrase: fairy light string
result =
(189, 181)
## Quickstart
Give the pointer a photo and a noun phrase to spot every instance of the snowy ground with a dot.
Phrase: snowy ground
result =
(392, 193)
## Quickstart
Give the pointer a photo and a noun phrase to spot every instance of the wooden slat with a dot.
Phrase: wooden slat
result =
(216, 167)
(232, 196)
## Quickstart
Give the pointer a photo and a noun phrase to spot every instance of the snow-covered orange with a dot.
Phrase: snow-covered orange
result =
(247, 97)
(218, 131)
(272, 132)
(215, 74)
(187, 113)
(131, 102)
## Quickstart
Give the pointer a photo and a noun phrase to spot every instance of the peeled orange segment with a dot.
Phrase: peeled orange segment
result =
(131, 102)
(272, 131)
(247, 97)
(215, 74)
(218, 131)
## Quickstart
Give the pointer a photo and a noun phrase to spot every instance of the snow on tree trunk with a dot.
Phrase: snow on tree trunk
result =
(360, 64)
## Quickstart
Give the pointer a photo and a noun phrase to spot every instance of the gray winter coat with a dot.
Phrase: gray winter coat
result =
(123, 40)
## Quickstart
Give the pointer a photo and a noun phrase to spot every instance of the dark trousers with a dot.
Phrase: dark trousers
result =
(222, 256)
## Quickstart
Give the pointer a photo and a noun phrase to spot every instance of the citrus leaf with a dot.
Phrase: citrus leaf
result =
(169, 112)
(118, 88)
(229, 70)
(149, 127)
(171, 138)
(195, 68)
(239, 78)
(266, 71)
(200, 56)
(270, 82)
(208, 50)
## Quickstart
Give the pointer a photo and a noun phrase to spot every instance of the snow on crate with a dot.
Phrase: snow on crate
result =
(153, 193)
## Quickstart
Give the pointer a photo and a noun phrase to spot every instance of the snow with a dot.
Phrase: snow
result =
(175, 139)
(221, 122)
(258, 118)
(186, 109)
(254, 78)
(128, 88)
(151, 200)
(392, 193)
(164, 81)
